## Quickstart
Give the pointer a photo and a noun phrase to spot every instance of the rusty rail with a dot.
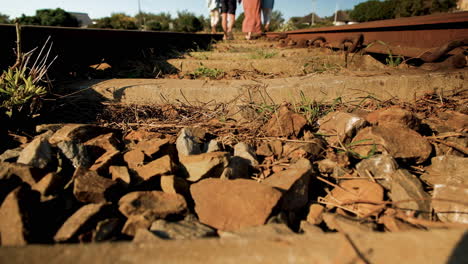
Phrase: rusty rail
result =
(427, 38)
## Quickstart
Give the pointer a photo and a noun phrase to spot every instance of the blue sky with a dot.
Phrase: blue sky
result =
(101, 8)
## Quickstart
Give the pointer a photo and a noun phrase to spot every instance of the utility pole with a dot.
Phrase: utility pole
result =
(142, 19)
(313, 12)
(336, 12)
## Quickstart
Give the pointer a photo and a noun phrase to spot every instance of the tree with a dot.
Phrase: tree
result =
(116, 21)
(373, 10)
(277, 20)
(238, 22)
(50, 17)
(4, 19)
(187, 22)
(157, 22)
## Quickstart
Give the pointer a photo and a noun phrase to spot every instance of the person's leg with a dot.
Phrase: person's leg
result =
(231, 17)
(267, 18)
(214, 20)
(224, 17)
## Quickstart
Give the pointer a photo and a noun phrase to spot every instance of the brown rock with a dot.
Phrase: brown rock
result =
(310, 229)
(264, 149)
(394, 116)
(158, 167)
(102, 164)
(77, 221)
(285, 123)
(135, 223)
(296, 150)
(107, 229)
(145, 236)
(447, 169)
(381, 167)
(233, 204)
(120, 174)
(205, 165)
(173, 184)
(451, 211)
(141, 135)
(454, 120)
(37, 154)
(340, 127)
(398, 142)
(346, 224)
(188, 228)
(106, 142)
(16, 216)
(294, 183)
(77, 132)
(50, 184)
(315, 215)
(269, 231)
(152, 204)
(89, 187)
(152, 146)
(26, 173)
(134, 158)
(393, 224)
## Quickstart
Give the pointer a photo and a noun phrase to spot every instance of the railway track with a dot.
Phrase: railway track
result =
(76, 47)
(424, 39)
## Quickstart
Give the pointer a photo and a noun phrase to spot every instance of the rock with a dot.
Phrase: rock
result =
(245, 151)
(394, 116)
(231, 205)
(447, 169)
(89, 187)
(37, 154)
(340, 127)
(296, 150)
(76, 153)
(309, 229)
(80, 220)
(398, 142)
(346, 224)
(105, 143)
(294, 183)
(238, 168)
(105, 149)
(48, 127)
(326, 165)
(12, 175)
(145, 236)
(212, 146)
(315, 215)
(264, 149)
(454, 120)
(120, 174)
(379, 166)
(443, 150)
(107, 229)
(134, 158)
(152, 204)
(175, 185)
(135, 223)
(158, 167)
(79, 133)
(269, 231)
(141, 135)
(204, 165)
(285, 123)
(50, 184)
(153, 146)
(451, 211)
(186, 143)
(185, 229)
(10, 155)
(406, 186)
(16, 216)
(102, 164)
(392, 224)
(352, 190)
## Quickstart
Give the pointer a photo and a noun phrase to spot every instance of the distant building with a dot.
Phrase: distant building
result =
(342, 18)
(462, 5)
(83, 18)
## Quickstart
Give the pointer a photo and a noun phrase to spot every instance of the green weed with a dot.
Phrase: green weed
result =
(263, 54)
(203, 71)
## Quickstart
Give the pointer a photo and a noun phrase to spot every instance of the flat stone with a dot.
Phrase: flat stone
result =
(393, 224)
(297, 150)
(77, 132)
(398, 142)
(238, 168)
(455, 120)
(204, 165)
(37, 154)
(158, 167)
(141, 135)
(270, 231)
(120, 174)
(285, 123)
(135, 223)
(10, 155)
(394, 116)
(245, 151)
(447, 169)
(346, 224)
(16, 216)
(173, 184)
(145, 236)
(309, 229)
(231, 205)
(107, 229)
(12, 175)
(185, 229)
(76, 222)
(264, 149)
(315, 215)
(89, 187)
(102, 164)
(294, 183)
(406, 186)
(379, 166)
(76, 153)
(152, 146)
(340, 127)
(106, 142)
(212, 146)
(152, 204)
(187, 143)
(451, 211)
(50, 184)
(134, 158)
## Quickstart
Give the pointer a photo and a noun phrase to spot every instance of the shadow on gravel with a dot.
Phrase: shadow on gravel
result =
(460, 253)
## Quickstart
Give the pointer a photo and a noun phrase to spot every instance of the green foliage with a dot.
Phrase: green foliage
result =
(238, 22)
(157, 22)
(50, 17)
(116, 21)
(263, 54)
(203, 71)
(277, 20)
(373, 10)
(4, 19)
(187, 22)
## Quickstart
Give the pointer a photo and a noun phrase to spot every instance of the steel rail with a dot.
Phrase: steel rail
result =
(428, 38)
